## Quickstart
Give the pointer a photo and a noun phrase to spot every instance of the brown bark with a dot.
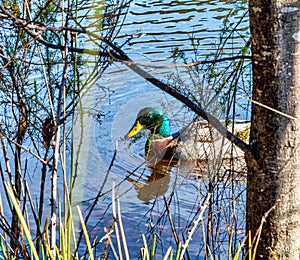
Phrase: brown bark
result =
(274, 171)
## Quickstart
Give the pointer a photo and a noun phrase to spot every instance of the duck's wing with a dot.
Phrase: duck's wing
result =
(197, 141)
(193, 141)
(161, 148)
(201, 141)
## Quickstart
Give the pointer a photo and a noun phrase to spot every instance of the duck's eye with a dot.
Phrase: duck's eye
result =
(143, 117)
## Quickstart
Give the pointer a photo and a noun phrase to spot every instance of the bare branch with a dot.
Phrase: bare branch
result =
(191, 64)
(25, 148)
(271, 109)
(196, 222)
(189, 103)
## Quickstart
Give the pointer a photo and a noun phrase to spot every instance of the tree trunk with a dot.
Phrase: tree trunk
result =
(274, 169)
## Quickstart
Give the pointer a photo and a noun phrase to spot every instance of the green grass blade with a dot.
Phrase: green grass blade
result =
(145, 247)
(85, 233)
(178, 251)
(22, 221)
(63, 242)
(153, 248)
(236, 255)
(3, 249)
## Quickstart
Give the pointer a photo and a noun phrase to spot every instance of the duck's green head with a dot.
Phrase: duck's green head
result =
(152, 119)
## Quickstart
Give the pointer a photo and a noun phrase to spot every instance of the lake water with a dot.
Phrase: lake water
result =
(150, 199)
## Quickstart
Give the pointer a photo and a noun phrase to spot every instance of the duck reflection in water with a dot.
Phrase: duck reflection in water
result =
(154, 185)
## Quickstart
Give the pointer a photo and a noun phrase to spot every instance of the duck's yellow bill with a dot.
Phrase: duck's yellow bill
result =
(135, 129)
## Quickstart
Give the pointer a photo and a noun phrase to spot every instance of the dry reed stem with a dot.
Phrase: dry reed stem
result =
(122, 232)
(107, 236)
(114, 211)
(196, 222)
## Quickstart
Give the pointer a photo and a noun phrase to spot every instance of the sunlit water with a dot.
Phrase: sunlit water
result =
(109, 109)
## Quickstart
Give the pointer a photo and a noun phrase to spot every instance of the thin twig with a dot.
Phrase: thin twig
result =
(97, 197)
(258, 232)
(36, 219)
(7, 165)
(196, 222)
(107, 236)
(25, 149)
(171, 222)
(271, 109)
(56, 156)
(185, 65)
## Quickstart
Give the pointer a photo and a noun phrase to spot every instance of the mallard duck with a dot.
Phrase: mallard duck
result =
(197, 141)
